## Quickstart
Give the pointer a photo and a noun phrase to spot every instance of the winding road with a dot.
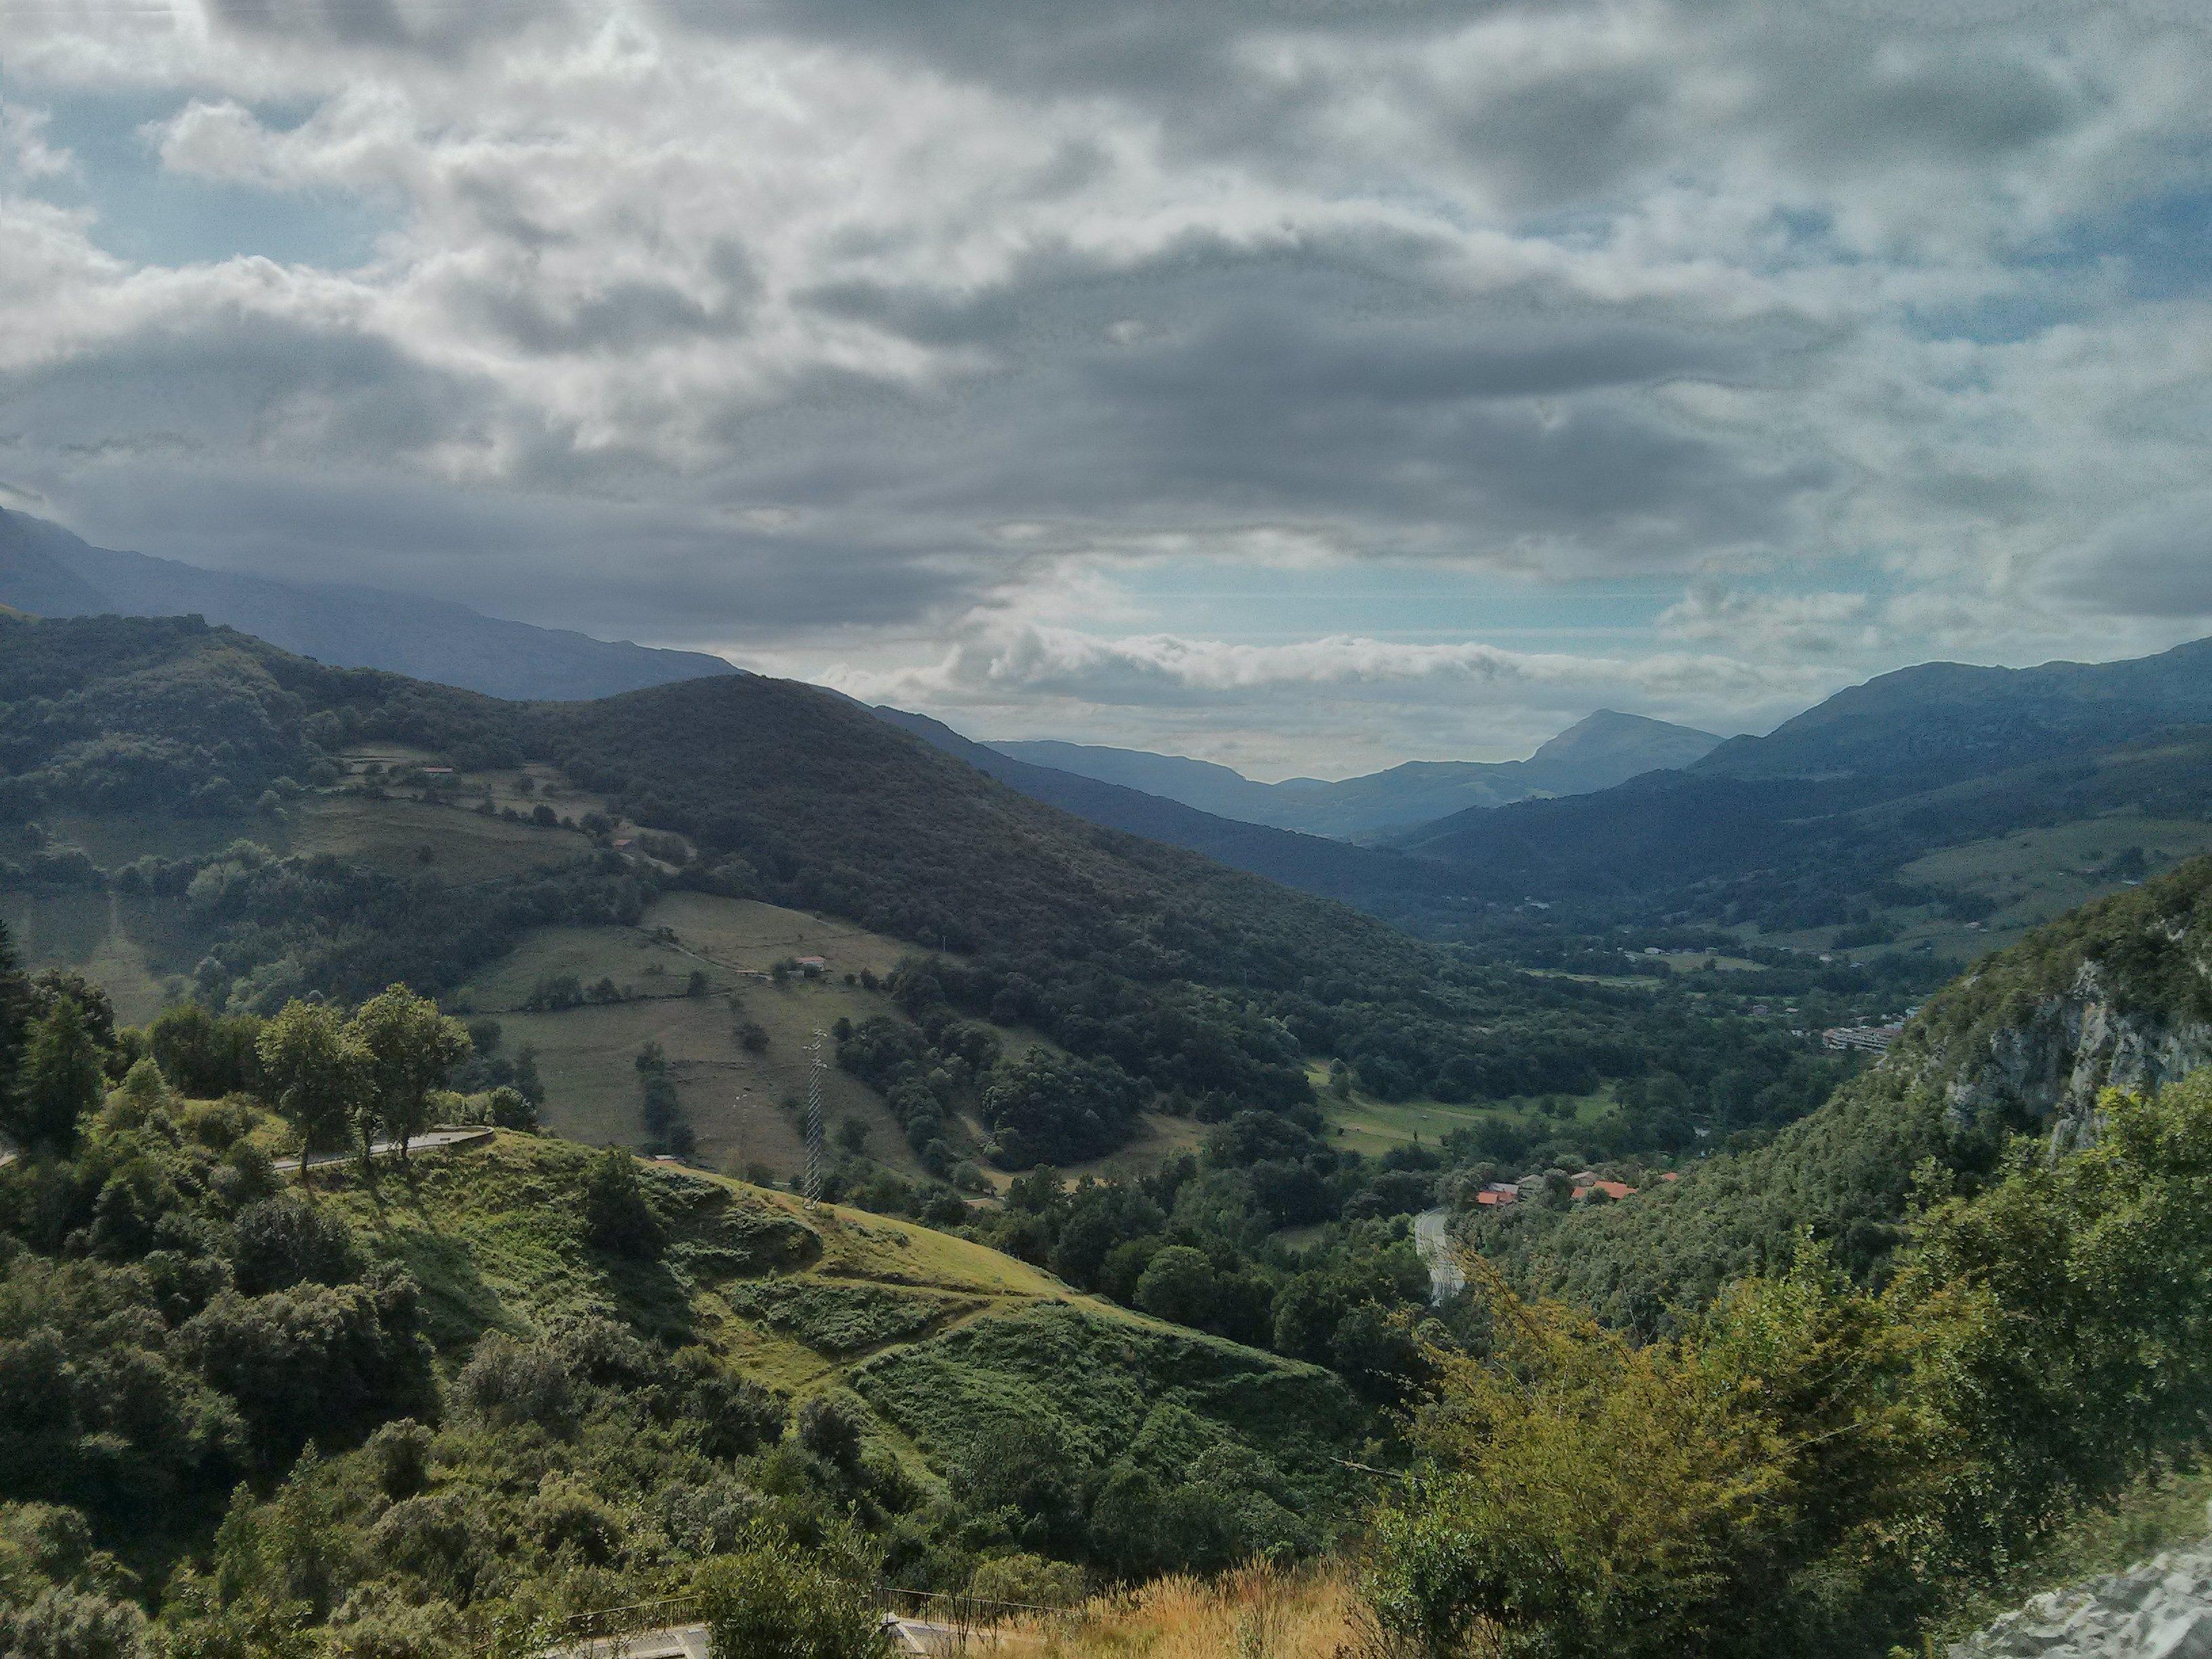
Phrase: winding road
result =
(1431, 1238)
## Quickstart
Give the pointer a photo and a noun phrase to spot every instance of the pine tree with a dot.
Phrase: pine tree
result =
(60, 1079)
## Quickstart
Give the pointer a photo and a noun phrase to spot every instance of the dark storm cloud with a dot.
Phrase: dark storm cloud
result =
(404, 24)
(1303, 383)
(2153, 564)
(715, 321)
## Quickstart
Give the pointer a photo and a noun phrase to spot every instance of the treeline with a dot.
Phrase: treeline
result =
(276, 928)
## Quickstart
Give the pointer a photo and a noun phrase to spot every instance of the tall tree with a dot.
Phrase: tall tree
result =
(316, 1075)
(12, 1015)
(411, 1049)
(60, 1079)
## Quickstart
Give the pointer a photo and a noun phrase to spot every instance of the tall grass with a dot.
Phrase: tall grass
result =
(1259, 1613)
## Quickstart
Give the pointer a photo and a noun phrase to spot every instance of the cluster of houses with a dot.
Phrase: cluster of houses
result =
(1871, 1039)
(1496, 1195)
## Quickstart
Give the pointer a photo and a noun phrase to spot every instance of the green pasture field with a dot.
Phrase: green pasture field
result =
(86, 931)
(745, 934)
(392, 836)
(734, 1100)
(1365, 1125)
(2030, 875)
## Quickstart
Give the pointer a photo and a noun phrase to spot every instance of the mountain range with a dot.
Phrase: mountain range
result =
(1603, 750)
(1800, 825)
(47, 571)
(1377, 879)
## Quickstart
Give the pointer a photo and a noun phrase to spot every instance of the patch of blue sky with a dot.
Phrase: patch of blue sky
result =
(150, 215)
(2144, 248)
(2157, 244)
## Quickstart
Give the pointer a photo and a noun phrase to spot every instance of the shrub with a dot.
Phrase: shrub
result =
(616, 1217)
(1028, 1581)
(772, 1603)
(71, 1624)
(830, 1429)
(279, 1241)
(400, 1458)
(313, 1358)
(435, 1538)
(505, 1382)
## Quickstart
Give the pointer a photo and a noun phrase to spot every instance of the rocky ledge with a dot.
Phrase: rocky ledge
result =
(2160, 1610)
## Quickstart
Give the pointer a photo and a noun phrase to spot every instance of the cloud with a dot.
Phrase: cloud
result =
(2156, 564)
(848, 333)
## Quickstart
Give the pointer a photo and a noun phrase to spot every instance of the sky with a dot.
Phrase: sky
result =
(1303, 385)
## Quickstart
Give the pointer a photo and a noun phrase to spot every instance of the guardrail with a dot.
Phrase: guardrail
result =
(953, 1622)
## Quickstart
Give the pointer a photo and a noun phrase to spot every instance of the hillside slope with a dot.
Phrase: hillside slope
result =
(1178, 984)
(2117, 994)
(48, 572)
(459, 1399)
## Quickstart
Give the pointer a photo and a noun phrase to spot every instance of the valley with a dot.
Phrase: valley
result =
(1138, 1171)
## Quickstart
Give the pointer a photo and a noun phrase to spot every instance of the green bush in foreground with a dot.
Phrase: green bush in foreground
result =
(766, 1602)
(1811, 1466)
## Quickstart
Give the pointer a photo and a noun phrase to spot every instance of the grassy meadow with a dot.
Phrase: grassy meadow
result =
(936, 1339)
(1361, 1124)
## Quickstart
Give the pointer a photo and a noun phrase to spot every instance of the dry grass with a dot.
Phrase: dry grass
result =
(1259, 1613)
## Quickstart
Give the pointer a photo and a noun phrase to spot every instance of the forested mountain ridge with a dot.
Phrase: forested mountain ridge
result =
(48, 572)
(1818, 823)
(1171, 980)
(2117, 994)
(1966, 720)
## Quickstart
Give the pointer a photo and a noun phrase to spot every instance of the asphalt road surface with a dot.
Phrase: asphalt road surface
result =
(1445, 1279)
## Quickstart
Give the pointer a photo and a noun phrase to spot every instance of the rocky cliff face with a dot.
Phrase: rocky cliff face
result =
(2161, 1608)
(2053, 1064)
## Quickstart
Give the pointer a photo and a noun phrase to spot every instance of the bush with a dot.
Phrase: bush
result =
(433, 1538)
(831, 1429)
(313, 1359)
(69, 1624)
(279, 1241)
(505, 1382)
(773, 1603)
(616, 1217)
(399, 1457)
(1028, 1581)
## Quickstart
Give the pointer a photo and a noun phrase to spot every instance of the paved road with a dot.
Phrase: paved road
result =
(910, 1635)
(429, 1141)
(1445, 1279)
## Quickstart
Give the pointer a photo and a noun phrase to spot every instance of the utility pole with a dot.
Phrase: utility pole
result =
(814, 1120)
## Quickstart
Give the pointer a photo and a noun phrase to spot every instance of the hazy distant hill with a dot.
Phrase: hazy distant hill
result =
(1945, 720)
(48, 572)
(1384, 881)
(1595, 753)
(1805, 826)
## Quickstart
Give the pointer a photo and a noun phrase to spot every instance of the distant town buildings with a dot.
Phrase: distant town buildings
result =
(1870, 1039)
